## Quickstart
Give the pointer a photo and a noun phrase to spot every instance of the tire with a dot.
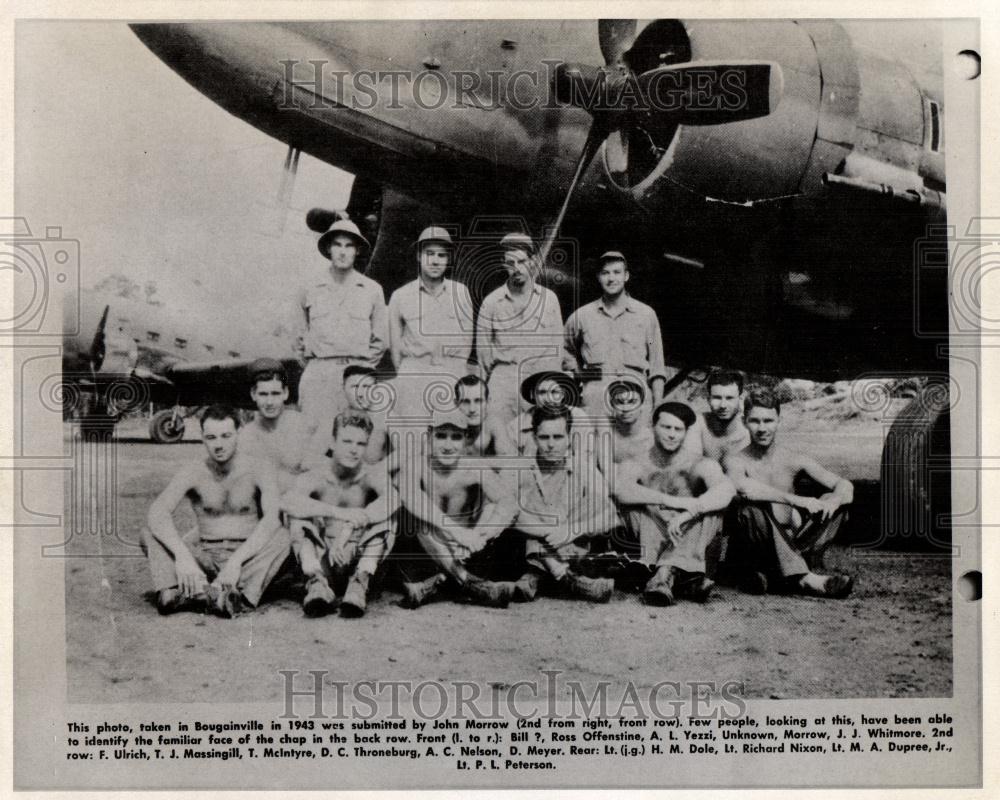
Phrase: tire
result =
(162, 429)
(915, 476)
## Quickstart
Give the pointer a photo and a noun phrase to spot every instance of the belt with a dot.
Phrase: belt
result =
(597, 372)
(337, 359)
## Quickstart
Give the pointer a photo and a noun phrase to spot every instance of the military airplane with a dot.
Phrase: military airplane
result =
(777, 187)
(128, 355)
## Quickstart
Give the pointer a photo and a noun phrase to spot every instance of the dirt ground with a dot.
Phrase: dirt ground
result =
(891, 638)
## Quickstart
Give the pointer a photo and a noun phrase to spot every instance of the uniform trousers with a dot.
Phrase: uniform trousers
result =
(212, 554)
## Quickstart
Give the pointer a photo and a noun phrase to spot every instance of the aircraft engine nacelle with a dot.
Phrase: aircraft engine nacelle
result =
(738, 162)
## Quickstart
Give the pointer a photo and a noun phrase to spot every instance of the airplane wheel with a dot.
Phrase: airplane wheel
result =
(162, 429)
(915, 474)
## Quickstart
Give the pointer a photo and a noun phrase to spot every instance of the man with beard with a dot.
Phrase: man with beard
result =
(238, 543)
(683, 496)
(351, 504)
(615, 336)
(720, 430)
(455, 512)
(519, 330)
(430, 327)
(778, 537)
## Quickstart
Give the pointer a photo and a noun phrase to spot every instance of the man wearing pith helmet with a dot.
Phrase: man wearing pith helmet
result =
(345, 323)
(519, 331)
(615, 336)
(430, 328)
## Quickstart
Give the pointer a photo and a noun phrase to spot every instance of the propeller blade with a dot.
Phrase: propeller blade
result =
(98, 348)
(615, 37)
(691, 93)
(595, 136)
(710, 93)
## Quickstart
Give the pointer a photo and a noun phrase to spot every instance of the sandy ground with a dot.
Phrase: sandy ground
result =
(891, 638)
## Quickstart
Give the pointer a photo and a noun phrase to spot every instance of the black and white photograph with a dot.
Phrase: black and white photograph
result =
(573, 382)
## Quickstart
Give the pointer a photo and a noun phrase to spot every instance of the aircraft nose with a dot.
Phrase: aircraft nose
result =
(169, 41)
(214, 57)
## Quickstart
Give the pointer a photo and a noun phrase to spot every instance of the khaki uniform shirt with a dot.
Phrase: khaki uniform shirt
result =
(565, 504)
(433, 326)
(346, 320)
(623, 341)
(510, 336)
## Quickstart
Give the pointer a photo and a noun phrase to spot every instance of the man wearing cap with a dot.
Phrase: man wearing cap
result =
(454, 512)
(683, 496)
(345, 323)
(629, 435)
(519, 330)
(430, 327)
(342, 522)
(547, 389)
(277, 434)
(720, 431)
(778, 537)
(564, 504)
(612, 336)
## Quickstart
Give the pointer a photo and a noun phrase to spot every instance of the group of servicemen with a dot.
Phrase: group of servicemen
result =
(509, 454)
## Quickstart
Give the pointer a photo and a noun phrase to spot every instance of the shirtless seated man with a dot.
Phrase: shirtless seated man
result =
(454, 513)
(238, 544)
(629, 435)
(779, 537)
(720, 430)
(471, 398)
(352, 504)
(362, 393)
(683, 496)
(277, 434)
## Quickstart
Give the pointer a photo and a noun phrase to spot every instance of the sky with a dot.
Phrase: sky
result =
(156, 181)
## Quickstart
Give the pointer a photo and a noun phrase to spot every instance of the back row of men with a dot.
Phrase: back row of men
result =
(555, 468)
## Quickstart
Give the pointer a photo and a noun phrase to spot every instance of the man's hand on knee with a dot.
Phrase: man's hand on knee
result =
(191, 578)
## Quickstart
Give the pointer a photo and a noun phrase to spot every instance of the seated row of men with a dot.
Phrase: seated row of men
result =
(556, 499)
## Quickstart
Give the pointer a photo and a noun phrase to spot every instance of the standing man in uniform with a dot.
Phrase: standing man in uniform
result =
(519, 330)
(277, 434)
(430, 326)
(778, 537)
(345, 323)
(614, 336)
(351, 504)
(683, 496)
(720, 431)
(238, 544)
